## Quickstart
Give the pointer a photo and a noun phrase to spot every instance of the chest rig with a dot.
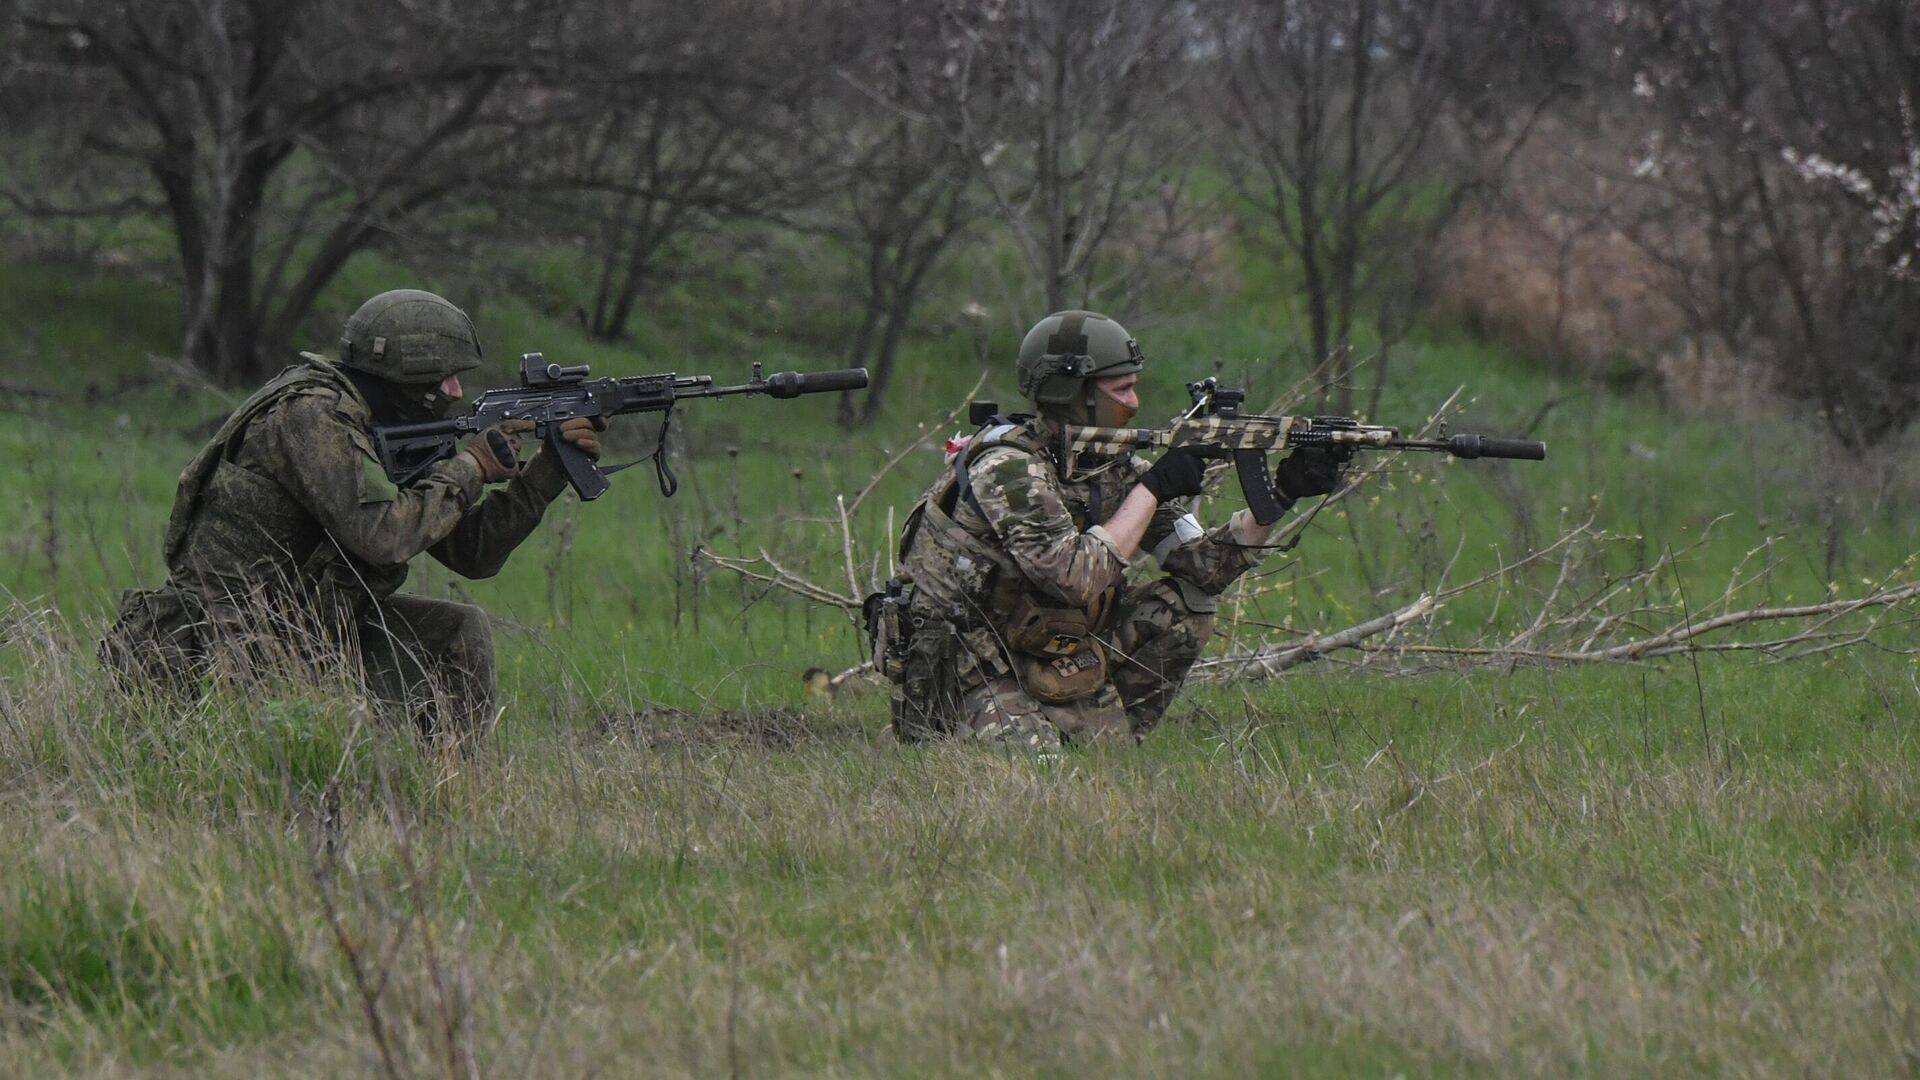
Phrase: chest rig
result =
(951, 575)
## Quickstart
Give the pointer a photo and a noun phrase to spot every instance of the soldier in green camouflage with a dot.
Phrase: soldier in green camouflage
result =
(1012, 619)
(289, 542)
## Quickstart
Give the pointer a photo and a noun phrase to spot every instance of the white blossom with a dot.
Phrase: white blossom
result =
(1892, 201)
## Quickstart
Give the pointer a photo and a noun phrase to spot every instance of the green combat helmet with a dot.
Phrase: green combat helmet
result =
(409, 337)
(1062, 355)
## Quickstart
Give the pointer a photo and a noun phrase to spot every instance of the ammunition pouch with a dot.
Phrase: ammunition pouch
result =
(1059, 657)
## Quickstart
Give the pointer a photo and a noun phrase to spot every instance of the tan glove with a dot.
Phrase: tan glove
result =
(584, 433)
(497, 450)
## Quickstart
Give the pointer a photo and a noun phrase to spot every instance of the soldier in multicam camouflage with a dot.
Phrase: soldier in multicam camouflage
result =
(288, 540)
(1011, 619)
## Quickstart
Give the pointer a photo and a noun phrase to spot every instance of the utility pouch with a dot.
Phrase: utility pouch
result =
(1059, 658)
(1059, 680)
(1043, 630)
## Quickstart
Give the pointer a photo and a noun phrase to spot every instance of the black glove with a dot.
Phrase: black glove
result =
(1310, 470)
(1176, 474)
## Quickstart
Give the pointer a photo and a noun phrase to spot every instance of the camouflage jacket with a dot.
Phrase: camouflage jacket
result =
(290, 492)
(1046, 529)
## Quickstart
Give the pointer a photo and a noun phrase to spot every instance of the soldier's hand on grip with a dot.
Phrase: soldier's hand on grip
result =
(583, 433)
(1308, 471)
(1177, 474)
(497, 450)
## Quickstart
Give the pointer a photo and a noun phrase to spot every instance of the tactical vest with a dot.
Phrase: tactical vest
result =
(231, 525)
(955, 575)
(949, 574)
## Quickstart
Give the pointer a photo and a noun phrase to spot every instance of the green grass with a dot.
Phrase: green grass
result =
(1645, 869)
(1340, 875)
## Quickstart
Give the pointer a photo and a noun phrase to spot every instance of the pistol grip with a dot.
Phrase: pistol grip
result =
(583, 474)
(1256, 483)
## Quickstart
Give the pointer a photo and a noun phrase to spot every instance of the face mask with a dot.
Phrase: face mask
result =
(435, 403)
(394, 403)
(1110, 413)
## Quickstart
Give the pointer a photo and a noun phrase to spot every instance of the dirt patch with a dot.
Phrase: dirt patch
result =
(778, 727)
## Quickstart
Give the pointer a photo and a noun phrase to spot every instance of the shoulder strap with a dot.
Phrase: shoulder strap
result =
(1016, 432)
(941, 502)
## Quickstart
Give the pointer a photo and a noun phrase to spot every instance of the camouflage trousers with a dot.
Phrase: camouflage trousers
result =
(1154, 640)
(422, 661)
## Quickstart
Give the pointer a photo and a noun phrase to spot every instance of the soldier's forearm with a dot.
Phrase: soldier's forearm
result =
(1128, 525)
(479, 546)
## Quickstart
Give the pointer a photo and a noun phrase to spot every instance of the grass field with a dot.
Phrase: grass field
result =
(670, 861)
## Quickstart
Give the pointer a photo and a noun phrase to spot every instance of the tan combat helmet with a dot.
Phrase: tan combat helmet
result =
(1064, 353)
(411, 338)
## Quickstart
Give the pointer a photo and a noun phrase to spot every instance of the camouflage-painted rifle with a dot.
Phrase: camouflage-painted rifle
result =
(1215, 428)
(550, 393)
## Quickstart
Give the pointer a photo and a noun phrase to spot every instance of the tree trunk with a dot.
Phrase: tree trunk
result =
(220, 333)
(885, 355)
(857, 357)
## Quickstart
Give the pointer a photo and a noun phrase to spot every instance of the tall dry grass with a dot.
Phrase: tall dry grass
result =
(1536, 873)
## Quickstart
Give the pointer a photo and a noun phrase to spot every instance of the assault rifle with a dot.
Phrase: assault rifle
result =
(1215, 428)
(550, 393)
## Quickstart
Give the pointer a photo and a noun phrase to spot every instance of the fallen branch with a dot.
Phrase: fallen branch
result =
(778, 577)
(1684, 639)
(1268, 661)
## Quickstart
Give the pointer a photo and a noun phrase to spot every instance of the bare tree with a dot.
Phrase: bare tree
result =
(1785, 130)
(669, 117)
(1366, 125)
(1063, 106)
(279, 137)
(905, 188)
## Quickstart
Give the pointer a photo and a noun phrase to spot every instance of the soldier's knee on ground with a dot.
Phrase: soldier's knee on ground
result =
(1003, 714)
(470, 642)
(433, 658)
